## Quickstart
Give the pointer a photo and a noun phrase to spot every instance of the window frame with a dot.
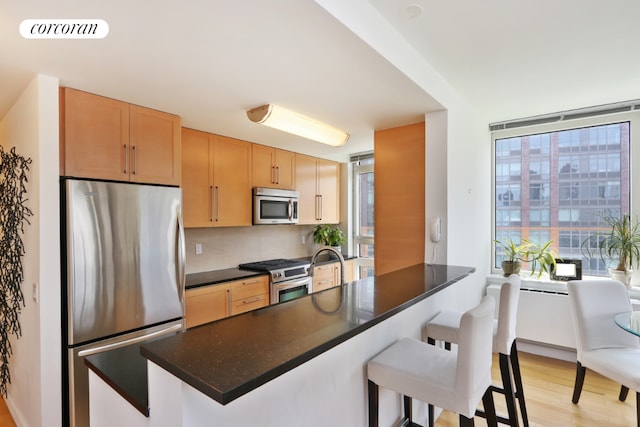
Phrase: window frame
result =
(633, 117)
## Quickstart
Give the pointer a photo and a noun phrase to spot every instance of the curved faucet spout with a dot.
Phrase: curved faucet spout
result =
(330, 249)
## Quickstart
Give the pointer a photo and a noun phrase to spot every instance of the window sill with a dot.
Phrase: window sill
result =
(547, 285)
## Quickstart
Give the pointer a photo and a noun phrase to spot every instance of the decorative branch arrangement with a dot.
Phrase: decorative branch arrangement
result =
(13, 215)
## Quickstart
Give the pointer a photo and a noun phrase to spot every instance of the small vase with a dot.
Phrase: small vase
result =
(510, 267)
(621, 276)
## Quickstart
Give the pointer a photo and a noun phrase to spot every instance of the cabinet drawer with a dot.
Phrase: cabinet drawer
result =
(321, 285)
(322, 272)
(243, 289)
(249, 303)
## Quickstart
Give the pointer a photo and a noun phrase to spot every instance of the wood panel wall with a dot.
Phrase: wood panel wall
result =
(399, 212)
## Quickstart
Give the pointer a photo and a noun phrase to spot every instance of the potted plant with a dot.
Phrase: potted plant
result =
(328, 235)
(619, 245)
(541, 257)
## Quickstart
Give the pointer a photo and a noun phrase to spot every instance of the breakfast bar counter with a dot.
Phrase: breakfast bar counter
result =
(231, 357)
(249, 356)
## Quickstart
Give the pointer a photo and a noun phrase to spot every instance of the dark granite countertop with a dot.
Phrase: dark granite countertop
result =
(193, 280)
(233, 356)
(125, 370)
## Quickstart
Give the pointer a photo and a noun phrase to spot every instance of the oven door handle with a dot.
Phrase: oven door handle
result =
(296, 282)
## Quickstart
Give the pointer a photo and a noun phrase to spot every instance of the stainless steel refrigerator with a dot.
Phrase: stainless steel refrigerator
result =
(123, 274)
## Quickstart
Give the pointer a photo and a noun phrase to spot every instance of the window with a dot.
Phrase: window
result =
(556, 182)
(363, 181)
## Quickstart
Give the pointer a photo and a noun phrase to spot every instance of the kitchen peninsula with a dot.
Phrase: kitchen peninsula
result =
(301, 362)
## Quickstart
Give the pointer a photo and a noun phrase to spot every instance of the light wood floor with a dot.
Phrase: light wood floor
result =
(548, 388)
(5, 416)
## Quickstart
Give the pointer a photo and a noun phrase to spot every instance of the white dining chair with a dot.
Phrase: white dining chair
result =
(445, 327)
(601, 345)
(455, 381)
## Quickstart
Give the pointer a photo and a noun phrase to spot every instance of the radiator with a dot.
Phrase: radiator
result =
(544, 316)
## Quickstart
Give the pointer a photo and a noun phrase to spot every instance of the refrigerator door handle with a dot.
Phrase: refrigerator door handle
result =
(107, 347)
(182, 259)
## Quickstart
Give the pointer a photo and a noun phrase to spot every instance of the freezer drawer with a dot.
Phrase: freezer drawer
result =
(77, 383)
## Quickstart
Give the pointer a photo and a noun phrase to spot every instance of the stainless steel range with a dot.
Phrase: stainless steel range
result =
(289, 278)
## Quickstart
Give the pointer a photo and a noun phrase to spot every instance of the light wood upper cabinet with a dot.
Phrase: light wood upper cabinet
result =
(216, 180)
(272, 167)
(104, 138)
(197, 179)
(318, 182)
(154, 138)
(94, 136)
(231, 182)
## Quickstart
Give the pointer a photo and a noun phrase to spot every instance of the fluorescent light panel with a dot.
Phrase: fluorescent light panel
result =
(297, 124)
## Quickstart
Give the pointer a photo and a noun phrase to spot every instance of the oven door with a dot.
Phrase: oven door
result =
(291, 289)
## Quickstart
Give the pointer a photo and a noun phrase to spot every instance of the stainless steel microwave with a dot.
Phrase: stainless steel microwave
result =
(275, 206)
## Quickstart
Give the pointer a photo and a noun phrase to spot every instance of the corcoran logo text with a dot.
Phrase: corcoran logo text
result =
(64, 28)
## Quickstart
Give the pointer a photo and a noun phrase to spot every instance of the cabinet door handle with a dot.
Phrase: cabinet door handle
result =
(135, 159)
(250, 282)
(273, 174)
(249, 301)
(213, 209)
(217, 203)
(126, 158)
(277, 174)
(318, 207)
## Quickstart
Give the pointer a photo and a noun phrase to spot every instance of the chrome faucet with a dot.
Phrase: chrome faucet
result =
(330, 249)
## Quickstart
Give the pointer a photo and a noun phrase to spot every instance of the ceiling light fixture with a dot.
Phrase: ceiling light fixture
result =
(297, 124)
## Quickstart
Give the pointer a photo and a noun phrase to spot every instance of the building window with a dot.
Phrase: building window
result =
(557, 184)
(363, 186)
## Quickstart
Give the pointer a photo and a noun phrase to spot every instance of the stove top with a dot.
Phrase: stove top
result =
(273, 264)
(280, 270)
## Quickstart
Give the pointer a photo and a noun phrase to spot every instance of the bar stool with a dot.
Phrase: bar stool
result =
(445, 327)
(455, 381)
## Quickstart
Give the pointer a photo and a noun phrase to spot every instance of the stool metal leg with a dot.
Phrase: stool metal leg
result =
(466, 422)
(373, 404)
(407, 410)
(507, 386)
(431, 415)
(489, 408)
(517, 377)
(624, 391)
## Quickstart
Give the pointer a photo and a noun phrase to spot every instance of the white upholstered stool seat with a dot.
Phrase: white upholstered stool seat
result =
(445, 326)
(456, 381)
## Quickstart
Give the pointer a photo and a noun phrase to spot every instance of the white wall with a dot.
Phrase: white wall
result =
(461, 192)
(32, 127)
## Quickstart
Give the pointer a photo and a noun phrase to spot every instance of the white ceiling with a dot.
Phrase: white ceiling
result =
(209, 61)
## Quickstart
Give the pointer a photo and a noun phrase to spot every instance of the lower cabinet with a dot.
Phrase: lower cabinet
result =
(208, 303)
(249, 294)
(326, 276)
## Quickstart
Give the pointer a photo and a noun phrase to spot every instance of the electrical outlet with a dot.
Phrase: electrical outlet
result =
(35, 295)
(198, 248)
(303, 239)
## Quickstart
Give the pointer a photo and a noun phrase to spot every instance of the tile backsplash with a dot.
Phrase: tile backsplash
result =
(227, 247)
